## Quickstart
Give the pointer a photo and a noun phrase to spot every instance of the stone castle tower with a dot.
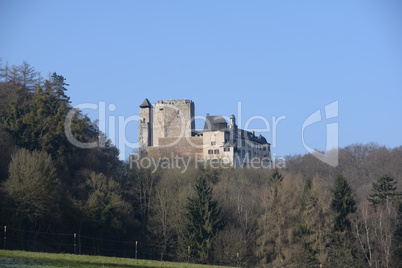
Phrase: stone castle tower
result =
(167, 119)
(172, 119)
(145, 126)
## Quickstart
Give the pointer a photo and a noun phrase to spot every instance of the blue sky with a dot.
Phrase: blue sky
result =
(278, 58)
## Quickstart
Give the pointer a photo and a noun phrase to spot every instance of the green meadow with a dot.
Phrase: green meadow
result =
(25, 259)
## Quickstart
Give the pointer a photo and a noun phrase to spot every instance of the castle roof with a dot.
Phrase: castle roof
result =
(250, 136)
(218, 123)
(214, 123)
(145, 104)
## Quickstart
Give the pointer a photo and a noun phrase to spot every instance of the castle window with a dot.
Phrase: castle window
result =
(210, 151)
(216, 151)
(226, 149)
(213, 142)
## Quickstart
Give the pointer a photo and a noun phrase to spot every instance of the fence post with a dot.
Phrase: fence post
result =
(79, 243)
(75, 243)
(136, 249)
(5, 236)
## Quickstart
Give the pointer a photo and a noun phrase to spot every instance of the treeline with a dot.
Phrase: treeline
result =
(306, 215)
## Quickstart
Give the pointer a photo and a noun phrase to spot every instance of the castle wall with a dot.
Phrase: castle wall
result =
(188, 147)
(172, 118)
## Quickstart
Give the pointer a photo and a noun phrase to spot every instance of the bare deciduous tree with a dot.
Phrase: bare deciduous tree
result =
(34, 186)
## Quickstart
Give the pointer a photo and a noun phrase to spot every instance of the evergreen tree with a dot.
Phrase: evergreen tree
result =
(203, 222)
(276, 176)
(309, 226)
(383, 191)
(37, 121)
(343, 204)
(275, 181)
(315, 226)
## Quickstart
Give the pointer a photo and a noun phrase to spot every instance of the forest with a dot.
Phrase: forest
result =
(56, 197)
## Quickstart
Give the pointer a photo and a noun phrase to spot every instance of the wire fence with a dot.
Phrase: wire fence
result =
(78, 243)
(74, 243)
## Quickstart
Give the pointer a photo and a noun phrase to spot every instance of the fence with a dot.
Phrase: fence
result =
(74, 243)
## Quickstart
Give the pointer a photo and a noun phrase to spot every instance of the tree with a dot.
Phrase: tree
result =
(203, 221)
(237, 197)
(24, 76)
(271, 222)
(381, 223)
(276, 176)
(383, 191)
(277, 229)
(161, 222)
(101, 210)
(56, 86)
(37, 121)
(343, 204)
(168, 207)
(33, 187)
(310, 227)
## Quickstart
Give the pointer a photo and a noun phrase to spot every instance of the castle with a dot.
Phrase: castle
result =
(168, 128)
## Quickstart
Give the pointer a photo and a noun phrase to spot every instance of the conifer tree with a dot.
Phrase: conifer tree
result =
(203, 222)
(309, 225)
(275, 180)
(276, 176)
(383, 191)
(343, 204)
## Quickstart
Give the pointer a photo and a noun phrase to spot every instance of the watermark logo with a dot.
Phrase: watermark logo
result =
(113, 128)
(175, 161)
(330, 156)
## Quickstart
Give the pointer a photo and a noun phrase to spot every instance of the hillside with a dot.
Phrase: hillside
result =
(59, 197)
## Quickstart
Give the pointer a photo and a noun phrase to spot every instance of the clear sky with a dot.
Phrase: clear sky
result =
(277, 58)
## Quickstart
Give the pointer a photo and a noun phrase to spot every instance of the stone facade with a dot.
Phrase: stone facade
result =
(168, 129)
(172, 118)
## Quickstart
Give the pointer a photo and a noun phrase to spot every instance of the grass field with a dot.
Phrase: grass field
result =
(26, 259)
